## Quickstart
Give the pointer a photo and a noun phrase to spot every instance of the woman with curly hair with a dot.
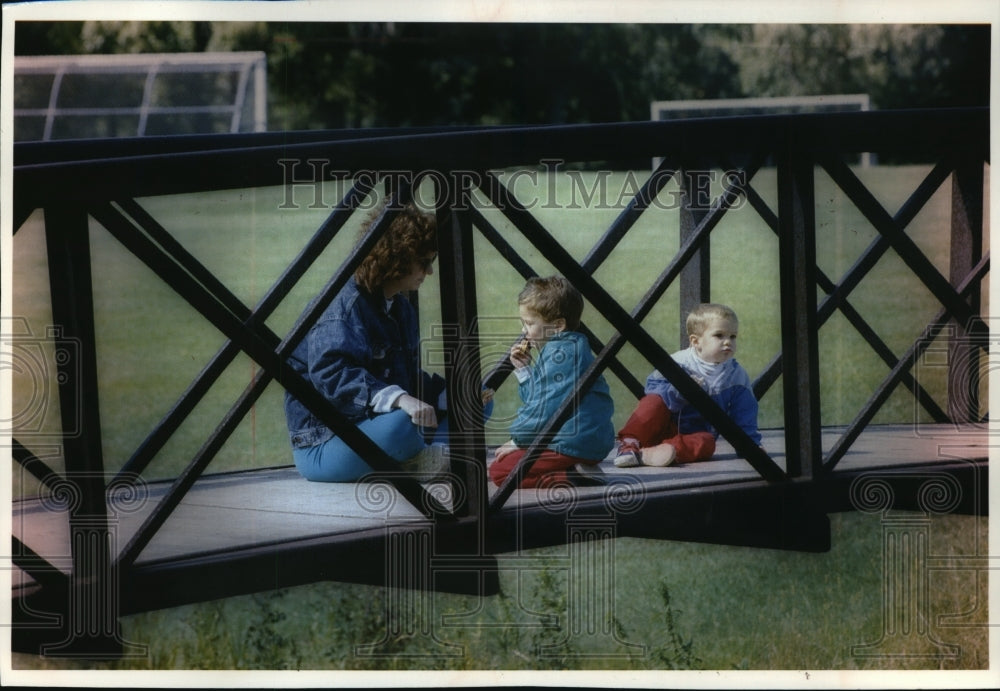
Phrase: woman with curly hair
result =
(363, 356)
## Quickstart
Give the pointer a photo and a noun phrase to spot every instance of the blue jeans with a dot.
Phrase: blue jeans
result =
(335, 461)
(395, 433)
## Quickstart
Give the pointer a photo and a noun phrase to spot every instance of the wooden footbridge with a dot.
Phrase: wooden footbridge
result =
(96, 543)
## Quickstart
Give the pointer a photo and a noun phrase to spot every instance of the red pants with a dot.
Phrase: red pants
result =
(652, 424)
(549, 469)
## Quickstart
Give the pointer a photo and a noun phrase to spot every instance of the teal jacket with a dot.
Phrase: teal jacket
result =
(589, 433)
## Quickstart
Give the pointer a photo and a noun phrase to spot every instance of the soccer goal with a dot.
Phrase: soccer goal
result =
(128, 95)
(719, 107)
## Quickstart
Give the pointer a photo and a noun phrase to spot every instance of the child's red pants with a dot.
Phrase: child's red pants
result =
(549, 469)
(652, 424)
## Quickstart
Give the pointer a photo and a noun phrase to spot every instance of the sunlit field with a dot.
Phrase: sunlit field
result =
(677, 606)
(151, 344)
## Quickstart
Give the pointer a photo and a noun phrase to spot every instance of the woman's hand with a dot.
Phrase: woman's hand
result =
(422, 414)
(505, 449)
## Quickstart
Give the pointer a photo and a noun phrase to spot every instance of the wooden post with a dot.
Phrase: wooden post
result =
(966, 251)
(799, 329)
(92, 627)
(696, 276)
(460, 331)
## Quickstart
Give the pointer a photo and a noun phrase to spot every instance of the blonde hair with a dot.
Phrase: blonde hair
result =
(553, 298)
(700, 316)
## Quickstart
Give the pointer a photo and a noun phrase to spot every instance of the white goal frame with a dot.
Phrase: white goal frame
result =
(765, 104)
(251, 67)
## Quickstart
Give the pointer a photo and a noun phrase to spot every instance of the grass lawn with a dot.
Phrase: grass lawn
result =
(151, 344)
(681, 606)
(690, 605)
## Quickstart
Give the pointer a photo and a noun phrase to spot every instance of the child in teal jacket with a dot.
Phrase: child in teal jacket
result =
(550, 310)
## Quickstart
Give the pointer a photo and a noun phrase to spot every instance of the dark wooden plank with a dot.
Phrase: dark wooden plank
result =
(461, 344)
(696, 276)
(931, 131)
(272, 529)
(94, 629)
(272, 505)
(964, 379)
(799, 328)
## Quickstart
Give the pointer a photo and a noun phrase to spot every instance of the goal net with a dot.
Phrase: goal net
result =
(128, 95)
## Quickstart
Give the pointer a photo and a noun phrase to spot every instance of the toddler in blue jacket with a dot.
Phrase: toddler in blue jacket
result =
(665, 428)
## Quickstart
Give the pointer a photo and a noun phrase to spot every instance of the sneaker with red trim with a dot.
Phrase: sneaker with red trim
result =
(629, 454)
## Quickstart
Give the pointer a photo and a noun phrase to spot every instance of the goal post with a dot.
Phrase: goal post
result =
(766, 105)
(120, 95)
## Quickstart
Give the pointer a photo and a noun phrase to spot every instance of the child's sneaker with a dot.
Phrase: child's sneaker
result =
(629, 454)
(659, 456)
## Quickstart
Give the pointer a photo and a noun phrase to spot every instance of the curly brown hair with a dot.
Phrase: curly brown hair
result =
(411, 237)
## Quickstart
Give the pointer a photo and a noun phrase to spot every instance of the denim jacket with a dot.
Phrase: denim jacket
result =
(589, 433)
(359, 346)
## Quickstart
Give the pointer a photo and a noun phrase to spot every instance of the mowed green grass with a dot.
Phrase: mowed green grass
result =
(735, 608)
(151, 344)
(739, 608)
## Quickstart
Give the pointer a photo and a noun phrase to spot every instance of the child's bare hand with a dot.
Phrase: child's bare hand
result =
(520, 354)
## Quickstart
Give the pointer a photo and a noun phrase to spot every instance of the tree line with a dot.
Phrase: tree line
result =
(387, 74)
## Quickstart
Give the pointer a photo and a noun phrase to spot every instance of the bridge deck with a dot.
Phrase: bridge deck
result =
(229, 512)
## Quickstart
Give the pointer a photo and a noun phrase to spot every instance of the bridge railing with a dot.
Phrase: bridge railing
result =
(75, 181)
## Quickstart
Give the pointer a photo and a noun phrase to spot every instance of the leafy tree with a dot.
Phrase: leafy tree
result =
(144, 37)
(906, 66)
(438, 74)
(386, 74)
